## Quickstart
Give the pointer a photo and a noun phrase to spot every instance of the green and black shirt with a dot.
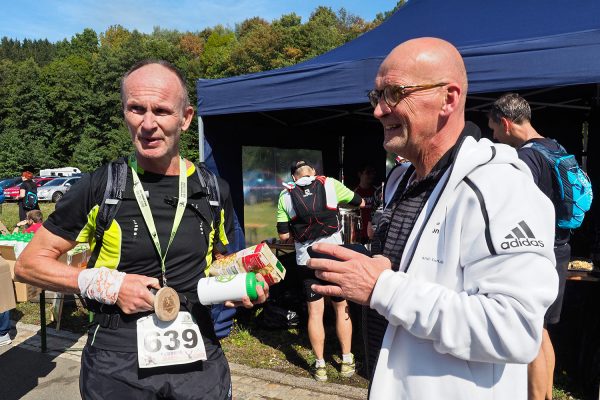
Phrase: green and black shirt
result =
(127, 245)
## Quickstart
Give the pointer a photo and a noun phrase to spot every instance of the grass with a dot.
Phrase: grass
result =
(287, 350)
(263, 217)
(9, 213)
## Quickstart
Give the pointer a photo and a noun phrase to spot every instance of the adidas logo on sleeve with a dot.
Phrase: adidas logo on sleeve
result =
(521, 235)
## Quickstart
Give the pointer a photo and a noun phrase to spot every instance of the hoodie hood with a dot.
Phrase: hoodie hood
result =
(472, 154)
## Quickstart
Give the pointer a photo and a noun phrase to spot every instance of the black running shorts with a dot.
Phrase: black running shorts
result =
(115, 375)
(563, 256)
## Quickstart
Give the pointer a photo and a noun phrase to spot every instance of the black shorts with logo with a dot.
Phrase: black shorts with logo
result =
(308, 278)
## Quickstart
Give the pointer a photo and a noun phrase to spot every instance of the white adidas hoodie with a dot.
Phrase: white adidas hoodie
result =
(466, 316)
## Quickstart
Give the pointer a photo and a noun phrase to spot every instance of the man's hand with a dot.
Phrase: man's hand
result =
(263, 294)
(135, 296)
(355, 275)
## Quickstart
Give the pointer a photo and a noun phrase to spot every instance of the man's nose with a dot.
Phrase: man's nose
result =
(381, 109)
(148, 121)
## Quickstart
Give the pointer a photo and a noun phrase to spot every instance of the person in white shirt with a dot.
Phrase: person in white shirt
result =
(464, 266)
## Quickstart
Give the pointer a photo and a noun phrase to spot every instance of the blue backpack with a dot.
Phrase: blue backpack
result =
(573, 194)
(30, 201)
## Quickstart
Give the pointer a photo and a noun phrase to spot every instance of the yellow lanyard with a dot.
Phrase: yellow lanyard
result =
(142, 201)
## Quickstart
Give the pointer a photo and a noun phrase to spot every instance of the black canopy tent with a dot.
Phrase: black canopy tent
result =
(546, 50)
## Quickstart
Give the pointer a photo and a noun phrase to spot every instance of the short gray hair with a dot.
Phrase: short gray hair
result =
(185, 101)
(510, 106)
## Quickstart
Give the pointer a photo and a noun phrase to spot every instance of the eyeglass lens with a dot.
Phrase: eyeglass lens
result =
(391, 95)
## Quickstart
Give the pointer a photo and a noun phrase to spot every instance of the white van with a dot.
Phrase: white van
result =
(65, 171)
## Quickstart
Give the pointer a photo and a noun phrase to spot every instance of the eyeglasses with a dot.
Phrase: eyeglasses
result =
(393, 94)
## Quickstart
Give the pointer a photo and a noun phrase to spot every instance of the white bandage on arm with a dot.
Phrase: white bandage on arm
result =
(100, 284)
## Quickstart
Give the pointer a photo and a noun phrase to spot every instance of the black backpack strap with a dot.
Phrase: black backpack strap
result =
(209, 181)
(111, 201)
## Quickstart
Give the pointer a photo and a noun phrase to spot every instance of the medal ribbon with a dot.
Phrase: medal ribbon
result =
(142, 201)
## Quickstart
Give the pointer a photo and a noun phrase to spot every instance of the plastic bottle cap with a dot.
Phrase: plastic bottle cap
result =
(251, 283)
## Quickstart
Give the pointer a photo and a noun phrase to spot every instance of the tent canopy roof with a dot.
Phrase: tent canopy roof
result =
(507, 45)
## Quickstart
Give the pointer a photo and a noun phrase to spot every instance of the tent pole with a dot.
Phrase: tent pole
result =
(341, 156)
(200, 139)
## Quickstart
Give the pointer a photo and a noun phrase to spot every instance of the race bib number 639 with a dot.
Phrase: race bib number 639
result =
(161, 343)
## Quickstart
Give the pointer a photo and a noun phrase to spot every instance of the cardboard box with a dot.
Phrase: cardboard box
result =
(23, 291)
(8, 252)
(259, 259)
(7, 293)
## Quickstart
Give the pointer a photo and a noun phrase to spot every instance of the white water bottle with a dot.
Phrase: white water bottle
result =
(218, 289)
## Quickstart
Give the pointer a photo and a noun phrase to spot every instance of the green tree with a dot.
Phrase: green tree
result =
(380, 17)
(321, 33)
(215, 59)
(257, 48)
(70, 98)
(114, 37)
(27, 118)
(85, 43)
(289, 31)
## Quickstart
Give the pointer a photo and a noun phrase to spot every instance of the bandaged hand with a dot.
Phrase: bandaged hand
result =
(100, 284)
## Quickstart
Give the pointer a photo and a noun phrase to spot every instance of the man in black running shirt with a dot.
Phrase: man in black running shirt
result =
(510, 120)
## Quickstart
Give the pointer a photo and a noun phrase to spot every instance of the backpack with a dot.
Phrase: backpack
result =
(573, 189)
(30, 201)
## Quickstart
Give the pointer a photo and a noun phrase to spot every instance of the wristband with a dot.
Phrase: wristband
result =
(100, 284)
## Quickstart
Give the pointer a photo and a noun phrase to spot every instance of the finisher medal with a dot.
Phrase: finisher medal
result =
(166, 304)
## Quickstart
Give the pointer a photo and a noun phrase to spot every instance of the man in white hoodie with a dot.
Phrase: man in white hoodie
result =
(464, 270)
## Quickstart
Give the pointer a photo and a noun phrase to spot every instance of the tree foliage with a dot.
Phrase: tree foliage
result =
(60, 102)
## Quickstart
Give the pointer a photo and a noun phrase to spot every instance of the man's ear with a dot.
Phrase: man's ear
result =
(506, 124)
(452, 98)
(186, 118)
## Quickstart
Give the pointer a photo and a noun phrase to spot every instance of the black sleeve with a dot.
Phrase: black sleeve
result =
(283, 227)
(542, 174)
(70, 217)
(530, 157)
(356, 200)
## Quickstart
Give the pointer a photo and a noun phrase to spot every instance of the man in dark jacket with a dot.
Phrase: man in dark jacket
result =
(510, 120)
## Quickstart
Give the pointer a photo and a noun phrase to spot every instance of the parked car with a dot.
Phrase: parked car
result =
(8, 182)
(56, 188)
(261, 186)
(11, 193)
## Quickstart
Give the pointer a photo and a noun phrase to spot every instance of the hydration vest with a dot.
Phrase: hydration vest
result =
(314, 219)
